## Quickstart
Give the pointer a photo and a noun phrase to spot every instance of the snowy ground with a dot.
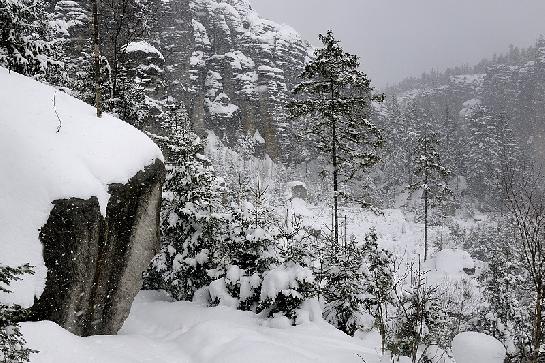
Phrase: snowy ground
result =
(161, 331)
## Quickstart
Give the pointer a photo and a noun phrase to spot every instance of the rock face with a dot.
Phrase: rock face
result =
(231, 69)
(95, 263)
(237, 69)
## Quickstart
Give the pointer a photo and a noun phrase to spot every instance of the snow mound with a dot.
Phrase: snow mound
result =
(42, 165)
(453, 261)
(144, 47)
(471, 347)
(161, 331)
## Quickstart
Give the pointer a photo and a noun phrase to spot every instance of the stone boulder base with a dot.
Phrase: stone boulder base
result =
(95, 263)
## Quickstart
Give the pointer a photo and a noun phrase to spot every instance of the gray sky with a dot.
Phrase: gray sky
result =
(399, 38)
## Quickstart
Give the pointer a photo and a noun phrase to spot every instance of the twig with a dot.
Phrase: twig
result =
(56, 113)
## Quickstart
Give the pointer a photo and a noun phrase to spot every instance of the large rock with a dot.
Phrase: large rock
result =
(95, 263)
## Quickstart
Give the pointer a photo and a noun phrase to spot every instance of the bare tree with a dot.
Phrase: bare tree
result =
(525, 204)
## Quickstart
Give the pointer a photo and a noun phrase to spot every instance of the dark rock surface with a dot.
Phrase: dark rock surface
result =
(95, 263)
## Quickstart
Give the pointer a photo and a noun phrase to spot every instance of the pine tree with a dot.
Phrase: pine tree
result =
(359, 280)
(379, 283)
(12, 342)
(189, 220)
(450, 142)
(96, 58)
(483, 160)
(344, 290)
(26, 46)
(419, 319)
(508, 316)
(122, 22)
(430, 177)
(335, 100)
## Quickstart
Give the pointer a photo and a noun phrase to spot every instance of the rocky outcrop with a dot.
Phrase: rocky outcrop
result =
(231, 69)
(95, 262)
(239, 70)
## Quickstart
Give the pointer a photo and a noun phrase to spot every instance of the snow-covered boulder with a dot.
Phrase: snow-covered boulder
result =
(471, 347)
(79, 201)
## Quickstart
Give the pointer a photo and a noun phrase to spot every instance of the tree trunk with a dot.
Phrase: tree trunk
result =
(425, 224)
(335, 172)
(538, 322)
(96, 54)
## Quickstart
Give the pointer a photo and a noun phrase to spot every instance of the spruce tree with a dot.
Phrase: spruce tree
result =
(419, 319)
(430, 177)
(333, 105)
(379, 283)
(189, 219)
(344, 290)
(12, 342)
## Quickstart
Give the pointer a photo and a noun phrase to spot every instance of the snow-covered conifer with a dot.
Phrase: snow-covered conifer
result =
(12, 342)
(418, 320)
(333, 108)
(430, 176)
(344, 290)
(190, 218)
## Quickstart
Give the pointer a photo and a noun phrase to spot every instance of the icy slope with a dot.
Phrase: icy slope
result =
(161, 331)
(39, 165)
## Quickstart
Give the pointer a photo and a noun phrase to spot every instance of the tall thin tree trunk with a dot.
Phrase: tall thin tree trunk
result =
(425, 224)
(538, 322)
(426, 201)
(335, 172)
(96, 54)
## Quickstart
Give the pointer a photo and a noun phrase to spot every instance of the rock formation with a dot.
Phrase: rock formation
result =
(95, 262)
(232, 70)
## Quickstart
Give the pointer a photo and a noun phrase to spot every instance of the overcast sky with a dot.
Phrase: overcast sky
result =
(399, 38)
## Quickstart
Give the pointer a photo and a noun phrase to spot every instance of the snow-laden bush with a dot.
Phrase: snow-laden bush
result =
(261, 264)
(280, 291)
(12, 342)
(285, 288)
(359, 285)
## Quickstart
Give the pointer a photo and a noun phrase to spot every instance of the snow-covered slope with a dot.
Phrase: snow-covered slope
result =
(41, 163)
(161, 331)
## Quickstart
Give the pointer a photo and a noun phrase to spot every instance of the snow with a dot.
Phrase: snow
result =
(284, 279)
(160, 331)
(471, 347)
(258, 138)
(469, 106)
(453, 261)
(144, 47)
(219, 109)
(81, 160)
(469, 79)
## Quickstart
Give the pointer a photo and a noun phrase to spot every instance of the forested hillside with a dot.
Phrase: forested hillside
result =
(487, 119)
